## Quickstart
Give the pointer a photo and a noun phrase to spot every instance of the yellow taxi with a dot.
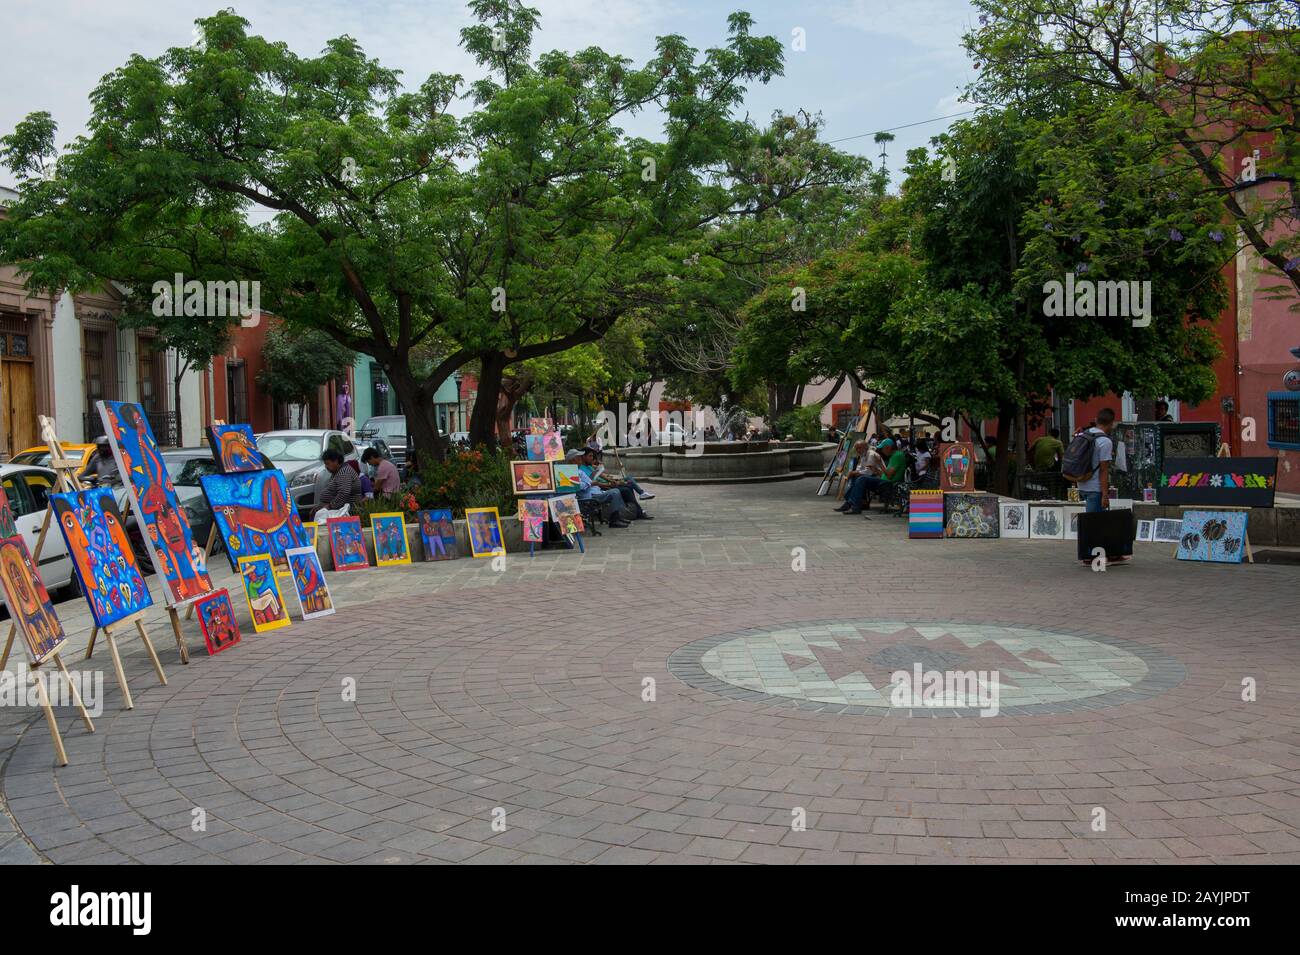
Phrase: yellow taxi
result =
(40, 456)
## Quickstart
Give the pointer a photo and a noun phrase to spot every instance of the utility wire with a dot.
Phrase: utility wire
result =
(891, 129)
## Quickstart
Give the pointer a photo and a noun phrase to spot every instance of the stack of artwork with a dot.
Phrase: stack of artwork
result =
(925, 514)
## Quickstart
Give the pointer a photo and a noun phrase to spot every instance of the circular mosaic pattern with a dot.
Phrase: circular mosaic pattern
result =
(925, 669)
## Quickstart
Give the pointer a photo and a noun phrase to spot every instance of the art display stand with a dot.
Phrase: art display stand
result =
(110, 635)
(44, 697)
(1245, 537)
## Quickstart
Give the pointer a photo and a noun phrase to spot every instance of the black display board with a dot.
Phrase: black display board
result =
(1218, 482)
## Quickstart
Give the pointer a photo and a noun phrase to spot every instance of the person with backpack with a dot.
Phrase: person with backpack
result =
(1086, 462)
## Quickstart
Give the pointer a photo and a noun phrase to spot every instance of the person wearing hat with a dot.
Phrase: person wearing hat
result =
(103, 466)
(895, 468)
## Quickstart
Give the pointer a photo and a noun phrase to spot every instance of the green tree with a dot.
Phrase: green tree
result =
(1206, 82)
(524, 229)
(298, 363)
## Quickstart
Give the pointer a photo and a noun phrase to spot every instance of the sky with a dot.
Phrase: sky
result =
(867, 64)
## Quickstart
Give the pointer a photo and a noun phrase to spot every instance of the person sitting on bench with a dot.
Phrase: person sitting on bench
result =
(868, 463)
(882, 484)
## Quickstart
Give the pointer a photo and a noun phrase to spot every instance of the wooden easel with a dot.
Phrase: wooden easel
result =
(1245, 536)
(67, 481)
(44, 697)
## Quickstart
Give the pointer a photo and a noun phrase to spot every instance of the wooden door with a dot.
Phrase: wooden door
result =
(19, 397)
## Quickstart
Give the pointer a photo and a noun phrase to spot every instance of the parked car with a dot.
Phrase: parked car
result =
(297, 454)
(28, 489)
(391, 430)
(39, 456)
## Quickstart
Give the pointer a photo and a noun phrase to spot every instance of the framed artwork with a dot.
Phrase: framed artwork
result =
(234, 447)
(1145, 531)
(535, 444)
(957, 467)
(308, 577)
(254, 514)
(391, 545)
(566, 476)
(1070, 520)
(438, 534)
(970, 515)
(28, 601)
(567, 514)
(309, 527)
(925, 514)
(175, 557)
(533, 515)
(532, 477)
(217, 621)
(1167, 531)
(1013, 519)
(347, 543)
(1218, 537)
(101, 554)
(540, 425)
(552, 446)
(262, 591)
(484, 527)
(1046, 522)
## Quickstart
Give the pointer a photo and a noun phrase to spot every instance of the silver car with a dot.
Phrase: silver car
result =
(297, 454)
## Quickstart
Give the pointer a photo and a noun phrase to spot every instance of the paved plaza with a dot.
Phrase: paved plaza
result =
(692, 689)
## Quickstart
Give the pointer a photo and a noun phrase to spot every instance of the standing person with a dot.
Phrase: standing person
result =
(384, 475)
(1162, 411)
(1046, 451)
(1087, 462)
(343, 491)
(922, 458)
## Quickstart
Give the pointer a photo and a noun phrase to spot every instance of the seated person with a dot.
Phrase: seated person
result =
(587, 491)
(895, 470)
(868, 462)
(625, 489)
(343, 492)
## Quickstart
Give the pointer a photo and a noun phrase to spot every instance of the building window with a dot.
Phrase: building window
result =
(236, 392)
(380, 390)
(1284, 420)
(95, 363)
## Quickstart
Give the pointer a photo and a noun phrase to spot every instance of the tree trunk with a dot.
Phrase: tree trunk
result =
(1007, 419)
(513, 388)
(422, 435)
(483, 420)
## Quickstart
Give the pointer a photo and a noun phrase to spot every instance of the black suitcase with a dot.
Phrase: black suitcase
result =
(1112, 530)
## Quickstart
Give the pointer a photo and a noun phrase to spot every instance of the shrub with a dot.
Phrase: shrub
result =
(805, 423)
(478, 478)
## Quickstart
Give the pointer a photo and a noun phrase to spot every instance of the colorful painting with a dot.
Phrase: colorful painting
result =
(566, 476)
(970, 516)
(101, 554)
(1218, 537)
(1167, 531)
(532, 477)
(391, 545)
(24, 591)
(217, 621)
(484, 527)
(265, 602)
(1013, 519)
(532, 517)
(567, 514)
(235, 448)
(176, 558)
(1070, 520)
(309, 582)
(254, 514)
(925, 514)
(1217, 482)
(1046, 522)
(310, 528)
(957, 467)
(536, 446)
(347, 543)
(553, 446)
(439, 535)
(540, 425)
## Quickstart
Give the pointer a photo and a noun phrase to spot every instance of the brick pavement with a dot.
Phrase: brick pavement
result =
(522, 692)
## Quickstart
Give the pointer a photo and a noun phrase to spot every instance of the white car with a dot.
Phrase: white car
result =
(28, 489)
